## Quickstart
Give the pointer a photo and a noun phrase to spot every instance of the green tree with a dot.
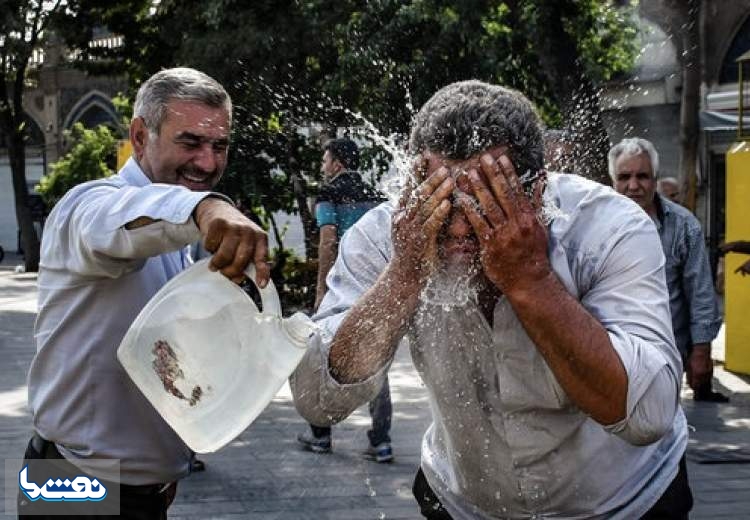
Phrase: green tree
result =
(92, 156)
(25, 27)
(22, 25)
(555, 51)
(288, 64)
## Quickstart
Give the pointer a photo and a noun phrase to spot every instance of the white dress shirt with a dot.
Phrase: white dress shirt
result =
(95, 276)
(506, 441)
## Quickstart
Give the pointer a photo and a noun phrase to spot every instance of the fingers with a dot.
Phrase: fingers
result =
(487, 200)
(502, 180)
(537, 198)
(481, 228)
(224, 251)
(235, 242)
(433, 194)
(420, 168)
(435, 221)
(260, 259)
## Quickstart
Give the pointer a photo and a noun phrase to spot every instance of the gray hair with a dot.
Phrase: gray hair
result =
(467, 117)
(630, 147)
(668, 180)
(179, 83)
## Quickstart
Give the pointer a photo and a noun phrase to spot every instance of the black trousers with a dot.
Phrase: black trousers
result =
(136, 502)
(674, 504)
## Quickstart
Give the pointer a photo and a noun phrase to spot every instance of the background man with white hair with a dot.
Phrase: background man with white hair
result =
(633, 165)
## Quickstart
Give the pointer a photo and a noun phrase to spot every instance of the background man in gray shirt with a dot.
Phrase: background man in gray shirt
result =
(633, 166)
(537, 316)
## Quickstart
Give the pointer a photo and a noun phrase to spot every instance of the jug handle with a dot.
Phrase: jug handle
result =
(268, 295)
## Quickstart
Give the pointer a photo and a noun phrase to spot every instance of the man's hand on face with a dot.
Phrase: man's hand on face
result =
(513, 242)
(421, 213)
(234, 239)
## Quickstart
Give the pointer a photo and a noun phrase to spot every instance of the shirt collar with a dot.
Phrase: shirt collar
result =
(132, 173)
(341, 174)
(662, 210)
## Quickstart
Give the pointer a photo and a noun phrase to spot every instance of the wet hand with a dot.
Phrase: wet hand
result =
(513, 241)
(235, 240)
(421, 213)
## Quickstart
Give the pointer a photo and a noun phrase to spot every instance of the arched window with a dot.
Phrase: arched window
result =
(740, 45)
(93, 109)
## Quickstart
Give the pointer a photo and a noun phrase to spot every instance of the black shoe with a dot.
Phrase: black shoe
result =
(710, 396)
(315, 444)
(197, 465)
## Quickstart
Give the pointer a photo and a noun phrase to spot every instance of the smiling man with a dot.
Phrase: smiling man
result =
(109, 245)
(552, 375)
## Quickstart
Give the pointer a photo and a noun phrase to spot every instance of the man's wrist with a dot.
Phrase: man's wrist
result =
(406, 275)
(209, 195)
(531, 286)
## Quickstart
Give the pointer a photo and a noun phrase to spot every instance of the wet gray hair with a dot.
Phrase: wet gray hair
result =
(180, 83)
(632, 146)
(467, 117)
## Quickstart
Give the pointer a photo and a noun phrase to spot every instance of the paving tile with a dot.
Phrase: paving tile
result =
(264, 475)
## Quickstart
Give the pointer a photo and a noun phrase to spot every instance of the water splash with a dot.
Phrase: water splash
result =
(449, 288)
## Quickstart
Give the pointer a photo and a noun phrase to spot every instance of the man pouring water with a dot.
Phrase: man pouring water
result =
(109, 246)
(554, 385)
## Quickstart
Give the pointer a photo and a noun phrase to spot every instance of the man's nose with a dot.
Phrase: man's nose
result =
(207, 158)
(633, 184)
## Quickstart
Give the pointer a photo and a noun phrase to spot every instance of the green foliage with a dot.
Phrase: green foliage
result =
(92, 156)
(296, 283)
(290, 63)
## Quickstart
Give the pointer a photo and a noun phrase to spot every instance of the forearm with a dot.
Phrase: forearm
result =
(741, 246)
(576, 347)
(369, 335)
(109, 229)
(326, 259)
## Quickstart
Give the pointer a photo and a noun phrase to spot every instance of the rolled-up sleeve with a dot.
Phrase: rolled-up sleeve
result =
(108, 229)
(629, 297)
(363, 254)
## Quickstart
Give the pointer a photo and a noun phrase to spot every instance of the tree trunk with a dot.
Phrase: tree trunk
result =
(689, 109)
(299, 187)
(29, 238)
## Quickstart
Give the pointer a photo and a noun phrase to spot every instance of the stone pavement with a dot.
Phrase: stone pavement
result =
(263, 475)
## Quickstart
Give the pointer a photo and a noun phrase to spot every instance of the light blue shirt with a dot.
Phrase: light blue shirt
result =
(95, 276)
(692, 299)
(506, 441)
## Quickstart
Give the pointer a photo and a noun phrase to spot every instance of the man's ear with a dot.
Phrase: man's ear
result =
(138, 136)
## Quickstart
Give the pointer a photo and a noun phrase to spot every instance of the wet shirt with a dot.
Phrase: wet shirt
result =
(692, 300)
(343, 200)
(506, 441)
(95, 276)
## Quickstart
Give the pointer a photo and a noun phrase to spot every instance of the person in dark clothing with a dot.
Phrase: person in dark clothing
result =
(343, 199)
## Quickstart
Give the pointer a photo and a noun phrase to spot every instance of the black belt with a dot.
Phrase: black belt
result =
(48, 450)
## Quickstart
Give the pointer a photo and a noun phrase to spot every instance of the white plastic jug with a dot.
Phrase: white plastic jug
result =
(207, 359)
